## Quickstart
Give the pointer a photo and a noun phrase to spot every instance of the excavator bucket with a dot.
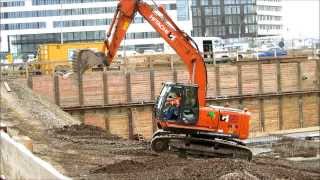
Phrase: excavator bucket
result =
(85, 59)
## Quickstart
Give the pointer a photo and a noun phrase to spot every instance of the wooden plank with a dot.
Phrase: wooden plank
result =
(253, 106)
(118, 122)
(301, 118)
(154, 123)
(261, 118)
(269, 78)
(218, 93)
(310, 109)
(299, 75)
(161, 77)
(117, 95)
(152, 85)
(290, 112)
(93, 88)
(300, 100)
(289, 78)
(278, 76)
(271, 114)
(142, 123)
(107, 122)
(175, 76)
(128, 80)
(280, 110)
(56, 90)
(211, 86)
(260, 78)
(250, 79)
(140, 86)
(239, 79)
(105, 87)
(228, 80)
(309, 75)
(80, 89)
(130, 123)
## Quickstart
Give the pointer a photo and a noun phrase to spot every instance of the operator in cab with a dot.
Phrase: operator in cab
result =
(173, 105)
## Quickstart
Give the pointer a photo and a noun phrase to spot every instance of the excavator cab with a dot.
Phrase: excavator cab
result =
(178, 103)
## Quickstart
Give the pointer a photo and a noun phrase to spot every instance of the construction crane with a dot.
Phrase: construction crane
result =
(185, 123)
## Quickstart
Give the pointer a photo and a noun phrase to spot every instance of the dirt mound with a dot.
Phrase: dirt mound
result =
(120, 167)
(289, 147)
(239, 176)
(84, 130)
(35, 107)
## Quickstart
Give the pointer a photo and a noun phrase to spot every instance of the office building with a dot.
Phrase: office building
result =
(27, 23)
(236, 18)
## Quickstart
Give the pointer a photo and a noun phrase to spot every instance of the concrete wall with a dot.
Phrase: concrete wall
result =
(17, 162)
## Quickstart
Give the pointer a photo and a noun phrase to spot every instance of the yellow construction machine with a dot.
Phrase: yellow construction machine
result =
(52, 58)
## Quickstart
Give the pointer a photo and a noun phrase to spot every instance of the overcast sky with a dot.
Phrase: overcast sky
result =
(301, 18)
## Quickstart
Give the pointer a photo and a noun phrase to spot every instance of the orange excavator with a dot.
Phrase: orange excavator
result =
(189, 126)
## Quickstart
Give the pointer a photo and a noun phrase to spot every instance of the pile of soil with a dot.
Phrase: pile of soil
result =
(289, 147)
(33, 106)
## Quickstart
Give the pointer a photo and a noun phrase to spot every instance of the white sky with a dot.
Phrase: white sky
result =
(301, 18)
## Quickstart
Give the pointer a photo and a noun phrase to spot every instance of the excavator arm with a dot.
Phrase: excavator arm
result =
(164, 25)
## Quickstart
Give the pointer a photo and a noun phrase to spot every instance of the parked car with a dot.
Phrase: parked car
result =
(272, 52)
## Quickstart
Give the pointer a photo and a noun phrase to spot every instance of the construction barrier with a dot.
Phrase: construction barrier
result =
(17, 162)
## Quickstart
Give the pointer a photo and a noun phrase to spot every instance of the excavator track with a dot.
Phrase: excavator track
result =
(200, 146)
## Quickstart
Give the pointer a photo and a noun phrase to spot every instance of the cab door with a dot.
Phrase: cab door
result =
(189, 110)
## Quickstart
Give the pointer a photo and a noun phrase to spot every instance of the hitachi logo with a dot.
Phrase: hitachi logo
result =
(162, 27)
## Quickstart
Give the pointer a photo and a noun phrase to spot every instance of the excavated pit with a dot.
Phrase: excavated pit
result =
(85, 152)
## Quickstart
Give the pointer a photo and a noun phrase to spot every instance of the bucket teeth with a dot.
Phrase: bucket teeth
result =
(85, 59)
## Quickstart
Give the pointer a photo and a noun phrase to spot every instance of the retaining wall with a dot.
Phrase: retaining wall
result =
(17, 162)
(280, 94)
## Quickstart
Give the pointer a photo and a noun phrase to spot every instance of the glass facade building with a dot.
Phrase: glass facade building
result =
(236, 18)
(27, 23)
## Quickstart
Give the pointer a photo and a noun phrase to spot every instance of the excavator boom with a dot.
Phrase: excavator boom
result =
(168, 30)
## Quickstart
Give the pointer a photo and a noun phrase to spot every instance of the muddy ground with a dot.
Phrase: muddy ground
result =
(86, 152)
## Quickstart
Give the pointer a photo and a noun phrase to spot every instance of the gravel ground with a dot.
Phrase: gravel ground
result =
(86, 152)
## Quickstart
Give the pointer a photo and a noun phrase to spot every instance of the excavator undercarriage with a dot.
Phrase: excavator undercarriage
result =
(199, 145)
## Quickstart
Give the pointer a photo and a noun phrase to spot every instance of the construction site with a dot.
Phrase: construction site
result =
(97, 131)
(83, 111)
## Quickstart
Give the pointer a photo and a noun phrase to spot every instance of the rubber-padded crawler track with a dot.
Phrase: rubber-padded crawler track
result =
(202, 147)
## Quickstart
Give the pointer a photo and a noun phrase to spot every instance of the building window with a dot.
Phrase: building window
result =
(48, 2)
(64, 12)
(204, 2)
(249, 9)
(197, 32)
(196, 21)
(249, 19)
(230, 1)
(182, 10)
(196, 11)
(232, 9)
(215, 2)
(11, 3)
(194, 2)
(18, 26)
